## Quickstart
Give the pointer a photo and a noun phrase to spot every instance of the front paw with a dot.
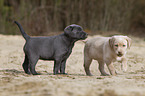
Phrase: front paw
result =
(55, 73)
(105, 74)
(124, 68)
(60, 73)
(36, 73)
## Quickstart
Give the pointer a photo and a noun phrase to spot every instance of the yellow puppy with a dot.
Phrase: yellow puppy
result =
(106, 50)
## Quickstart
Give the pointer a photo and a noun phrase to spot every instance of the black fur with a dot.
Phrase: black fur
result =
(56, 48)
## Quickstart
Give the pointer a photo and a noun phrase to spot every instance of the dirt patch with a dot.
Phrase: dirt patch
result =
(15, 82)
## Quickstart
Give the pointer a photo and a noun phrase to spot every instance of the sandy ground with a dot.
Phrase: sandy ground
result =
(14, 82)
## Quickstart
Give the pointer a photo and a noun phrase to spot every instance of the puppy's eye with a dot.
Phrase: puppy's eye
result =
(79, 29)
(124, 45)
(71, 28)
(116, 45)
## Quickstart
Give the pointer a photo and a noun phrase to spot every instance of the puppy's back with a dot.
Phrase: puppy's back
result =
(94, 47)
(97, 41)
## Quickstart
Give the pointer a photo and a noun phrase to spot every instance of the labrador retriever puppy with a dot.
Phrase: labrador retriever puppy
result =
(56, 48)
(106, 50)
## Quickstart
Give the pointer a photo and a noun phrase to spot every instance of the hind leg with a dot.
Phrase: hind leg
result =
(32, 63)
(101, 68)
(26, 65)
(87, 63)
(111, 68)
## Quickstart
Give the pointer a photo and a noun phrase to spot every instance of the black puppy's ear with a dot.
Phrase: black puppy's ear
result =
(68, 29)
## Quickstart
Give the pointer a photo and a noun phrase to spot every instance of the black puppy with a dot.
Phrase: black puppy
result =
(57, 48)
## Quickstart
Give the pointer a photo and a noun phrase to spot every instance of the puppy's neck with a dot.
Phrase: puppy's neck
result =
(67, 37)
(68, 40)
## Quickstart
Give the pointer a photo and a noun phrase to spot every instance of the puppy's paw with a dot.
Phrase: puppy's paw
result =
(28, 72)
(55, 73)
(90, 74)
(105, 75)
(124, 67)
(37, 74)
(124, 70)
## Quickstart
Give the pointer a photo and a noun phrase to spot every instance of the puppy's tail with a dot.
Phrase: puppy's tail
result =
(22, 31)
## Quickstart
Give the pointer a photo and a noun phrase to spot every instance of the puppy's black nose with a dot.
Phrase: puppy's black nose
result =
(119, 54)
(86, 35)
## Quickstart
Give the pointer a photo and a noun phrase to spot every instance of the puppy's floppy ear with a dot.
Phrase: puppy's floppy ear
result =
(111, 42)
(129, 41)
(68, 29)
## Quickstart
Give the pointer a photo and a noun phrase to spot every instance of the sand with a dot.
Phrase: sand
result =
(14, 82)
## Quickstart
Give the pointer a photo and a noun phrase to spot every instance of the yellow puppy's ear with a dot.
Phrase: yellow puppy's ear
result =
(111, 42)
(129, 41)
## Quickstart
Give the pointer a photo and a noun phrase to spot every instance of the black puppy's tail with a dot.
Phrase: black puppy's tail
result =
(22, 31)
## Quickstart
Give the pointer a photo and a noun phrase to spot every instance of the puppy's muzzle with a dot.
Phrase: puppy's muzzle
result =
(84, 35)
(120, 54)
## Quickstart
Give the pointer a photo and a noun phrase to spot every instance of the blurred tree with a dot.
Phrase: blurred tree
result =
(40, 17)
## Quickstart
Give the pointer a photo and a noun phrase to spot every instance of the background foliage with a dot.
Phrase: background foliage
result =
(40, 17)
